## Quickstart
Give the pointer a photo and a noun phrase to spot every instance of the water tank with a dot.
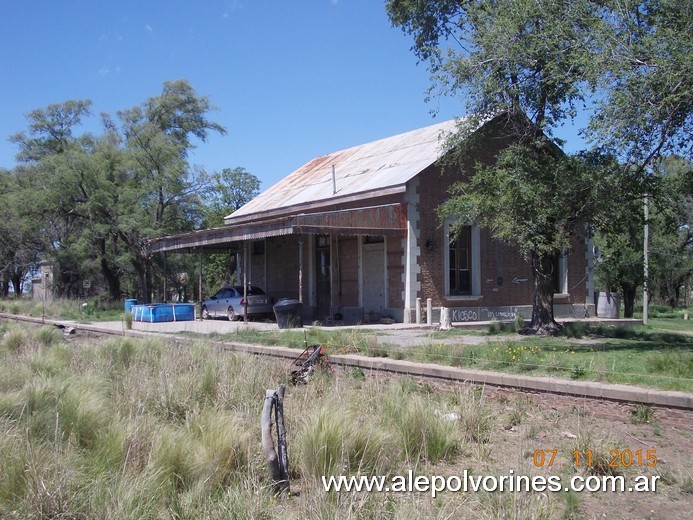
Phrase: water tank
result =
(608, 305)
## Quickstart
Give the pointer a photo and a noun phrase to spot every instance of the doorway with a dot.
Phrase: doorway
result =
(323, 277)
(373, 276)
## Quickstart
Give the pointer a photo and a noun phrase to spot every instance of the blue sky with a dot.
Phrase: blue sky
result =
(290, 80)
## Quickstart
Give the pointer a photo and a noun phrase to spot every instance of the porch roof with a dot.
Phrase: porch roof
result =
(383, 220)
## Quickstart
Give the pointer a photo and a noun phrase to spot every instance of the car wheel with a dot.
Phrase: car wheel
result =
(232, 314)
(205, 313)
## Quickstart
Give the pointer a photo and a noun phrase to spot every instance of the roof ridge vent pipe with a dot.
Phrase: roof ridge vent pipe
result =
(334, 182)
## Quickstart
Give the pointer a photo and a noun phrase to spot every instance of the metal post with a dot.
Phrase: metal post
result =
(199, 284)
(646, 266)
(300, 268)
(165, 300)
(245, 282)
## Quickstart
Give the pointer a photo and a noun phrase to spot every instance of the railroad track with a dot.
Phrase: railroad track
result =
(533, 385)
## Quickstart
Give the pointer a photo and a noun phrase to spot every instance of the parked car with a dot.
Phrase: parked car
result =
(229, 302)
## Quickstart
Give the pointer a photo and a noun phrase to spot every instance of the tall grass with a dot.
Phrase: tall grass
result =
(128, 428)
(66, 309)
(477, 417)
(423, 432)
(334, 442)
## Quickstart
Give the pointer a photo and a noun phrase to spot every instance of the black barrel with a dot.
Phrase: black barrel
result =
(289, 313)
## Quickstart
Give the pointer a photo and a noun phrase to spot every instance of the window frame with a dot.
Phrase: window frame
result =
(474, 258)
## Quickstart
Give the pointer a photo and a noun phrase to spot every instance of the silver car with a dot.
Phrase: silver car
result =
(228, 302)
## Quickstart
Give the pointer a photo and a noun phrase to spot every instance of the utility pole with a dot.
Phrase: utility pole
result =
(646, 247)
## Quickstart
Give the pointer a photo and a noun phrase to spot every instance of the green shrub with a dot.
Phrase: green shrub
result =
(424, 433)
(494, 327)
(50, 363)
(83, 412)
(223, 448)
(119, 352)
(172, 465)
(332, 441)
(15, 340)
(642, 414)
(48, 336)
(320, 443)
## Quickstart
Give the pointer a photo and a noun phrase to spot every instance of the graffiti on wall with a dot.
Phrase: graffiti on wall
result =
(483, 313)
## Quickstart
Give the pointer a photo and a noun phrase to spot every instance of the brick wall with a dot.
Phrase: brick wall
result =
(282, 267)
(346, 279)
(506, 277)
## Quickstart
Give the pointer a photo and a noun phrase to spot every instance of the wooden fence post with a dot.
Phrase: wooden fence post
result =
(283, 456)
(277, 463)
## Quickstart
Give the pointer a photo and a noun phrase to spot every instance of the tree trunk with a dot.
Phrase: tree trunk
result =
(628, 299)
(543, 321)
(112, 279)
(141, 268)
(17, 284)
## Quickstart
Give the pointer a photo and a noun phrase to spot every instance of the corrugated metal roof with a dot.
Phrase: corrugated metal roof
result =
(387, 219)
(369, 167)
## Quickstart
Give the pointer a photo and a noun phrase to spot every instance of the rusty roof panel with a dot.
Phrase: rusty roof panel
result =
(221, 237)
(369, 167)
(388, 219)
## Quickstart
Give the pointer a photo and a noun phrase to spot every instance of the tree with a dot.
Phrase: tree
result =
(538, 62)
(48, 153)
(50, 130)
(232, 189)
(620, 238)
(20, 243)
(671, 245)
(644, 78)
(538, 200)
(164, 189)
(99, 198)
(619, 263)
(527, 60)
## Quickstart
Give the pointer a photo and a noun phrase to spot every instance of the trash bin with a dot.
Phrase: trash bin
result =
(288, 313)
(129, 304)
